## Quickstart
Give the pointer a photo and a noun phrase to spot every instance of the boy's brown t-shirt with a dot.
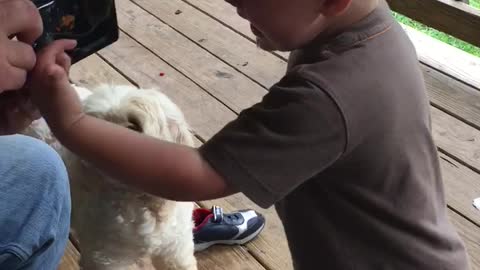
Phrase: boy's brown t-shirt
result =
(342, 146)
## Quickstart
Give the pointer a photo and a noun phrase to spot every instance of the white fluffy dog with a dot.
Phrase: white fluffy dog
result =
(119, 227)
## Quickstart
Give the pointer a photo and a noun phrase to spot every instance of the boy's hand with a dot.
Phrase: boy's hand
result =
(50, 88)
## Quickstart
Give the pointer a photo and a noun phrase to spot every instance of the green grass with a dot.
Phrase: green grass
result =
(440, 35)
(475, 3)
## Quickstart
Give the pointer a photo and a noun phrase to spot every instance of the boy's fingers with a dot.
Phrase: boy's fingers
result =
(50, 52)
(64, 61)
(55, 72)
(63, 45)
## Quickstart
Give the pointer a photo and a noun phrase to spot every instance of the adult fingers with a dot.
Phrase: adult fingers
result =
(22, 19)
(21, 55)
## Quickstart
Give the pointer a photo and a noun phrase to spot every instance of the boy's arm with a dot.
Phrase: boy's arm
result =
(165, 169)
(169, 170)
(295, 133)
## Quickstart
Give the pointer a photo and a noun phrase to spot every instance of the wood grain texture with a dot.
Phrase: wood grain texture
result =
(214, 37)
(453, 96)
(93, 71)
(456, 138)
(462, 186)
(70, 258)
(225, 14)
(470, 235)
(452, 17)
(227, 258)
(219, 79)
(459, 64)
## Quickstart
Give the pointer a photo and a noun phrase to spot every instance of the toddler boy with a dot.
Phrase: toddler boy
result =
(342, 145)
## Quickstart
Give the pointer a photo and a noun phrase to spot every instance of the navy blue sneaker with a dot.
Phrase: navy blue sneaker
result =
(213, 227)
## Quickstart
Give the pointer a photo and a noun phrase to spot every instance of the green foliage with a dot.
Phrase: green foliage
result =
(440, 35)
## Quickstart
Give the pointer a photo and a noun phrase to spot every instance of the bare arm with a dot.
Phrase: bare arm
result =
(165, 169)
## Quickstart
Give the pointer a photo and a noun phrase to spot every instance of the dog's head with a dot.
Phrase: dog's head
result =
(147, 111)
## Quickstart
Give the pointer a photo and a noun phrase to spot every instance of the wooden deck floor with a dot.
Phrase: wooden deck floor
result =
(212, 69)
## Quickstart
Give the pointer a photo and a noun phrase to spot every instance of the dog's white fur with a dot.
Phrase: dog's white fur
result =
(119, 227)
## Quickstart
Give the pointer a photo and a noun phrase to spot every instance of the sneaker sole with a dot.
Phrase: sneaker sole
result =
(203, 246)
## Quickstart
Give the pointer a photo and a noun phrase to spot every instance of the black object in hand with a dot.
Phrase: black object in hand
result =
(93, 23)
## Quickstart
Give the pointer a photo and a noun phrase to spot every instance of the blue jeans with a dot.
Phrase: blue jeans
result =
(34, 205)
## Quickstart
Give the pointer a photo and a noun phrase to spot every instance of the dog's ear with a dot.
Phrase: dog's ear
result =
(145, 117)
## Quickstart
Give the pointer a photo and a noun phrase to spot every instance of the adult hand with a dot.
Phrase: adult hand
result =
(20, 19)
(20, 26)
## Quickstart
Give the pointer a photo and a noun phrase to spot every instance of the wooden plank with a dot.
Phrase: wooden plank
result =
(461, 65)
(215, 258)
(453, 96)
(227, 258)
(444, 91)
(456, 138)
(471, 237)
(213, 75)
(452, 17)
(218, 39)
(70, 258)
(92, 71)
(462, 185)
(224, 13)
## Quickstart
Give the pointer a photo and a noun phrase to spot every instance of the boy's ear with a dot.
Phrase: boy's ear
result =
(332, 8)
